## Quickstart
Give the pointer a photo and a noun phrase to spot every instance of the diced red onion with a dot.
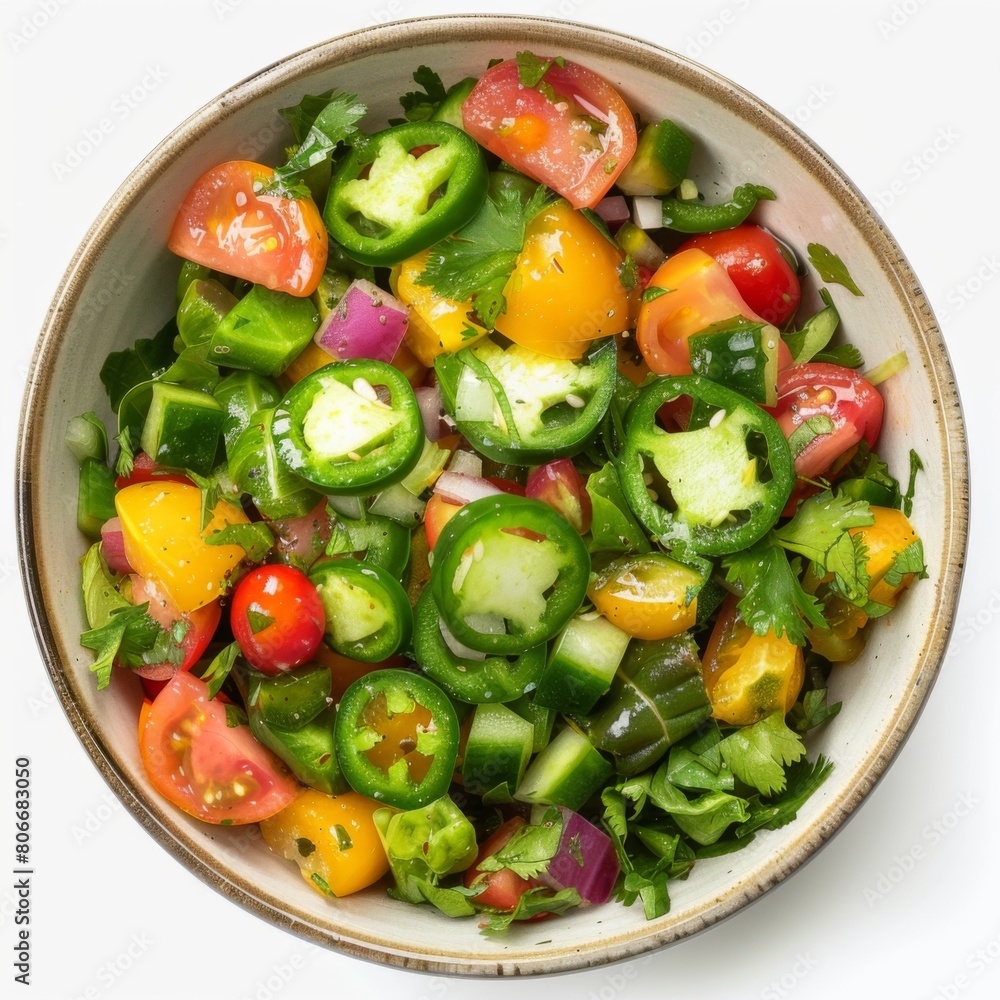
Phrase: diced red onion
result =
(429, 401)
(366, 323)
(647, 212)
(458, 488)
(585, 860)
(113, 546)
(613, 210)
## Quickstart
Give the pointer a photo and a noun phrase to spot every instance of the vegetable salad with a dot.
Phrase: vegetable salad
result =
(487, 521)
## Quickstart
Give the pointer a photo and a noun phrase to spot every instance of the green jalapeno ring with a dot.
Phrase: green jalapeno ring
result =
(512, 562)
(343, 440)
(728, 479)
(403, 691)
(388, 216)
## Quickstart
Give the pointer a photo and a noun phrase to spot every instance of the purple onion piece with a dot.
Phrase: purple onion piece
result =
(366, 323)
(585, 860)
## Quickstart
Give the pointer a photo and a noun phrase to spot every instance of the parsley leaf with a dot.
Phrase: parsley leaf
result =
(906, 501)
(531, 69)
(452, 902)
(420, 105)
(846, 355)
(475, 262)
(758, 754)
(816, 332)
(812, 710)
(773, 598)
(831, 267)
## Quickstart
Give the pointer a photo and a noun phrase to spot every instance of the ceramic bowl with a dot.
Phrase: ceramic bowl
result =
(120, 285)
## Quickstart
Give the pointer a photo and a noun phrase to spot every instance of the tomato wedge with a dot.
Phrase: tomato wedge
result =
(196, 761)
(229, 224)
(570, 131)
(698, 292)
(823, 410)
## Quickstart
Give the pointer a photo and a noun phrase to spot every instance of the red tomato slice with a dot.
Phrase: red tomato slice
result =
(830, 408)
(145, 469)
(213, 772)
(199, 627)
(577, 144)
(762, 276)
(277, 617)
(558, 484)
(229, 225)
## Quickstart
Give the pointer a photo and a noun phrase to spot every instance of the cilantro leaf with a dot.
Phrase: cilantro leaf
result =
(218, 670)
(773, 598)
(831, 267)
(147, 358)
(820, 521)
(867, 465)
(908, 560)
(803, 778)
(807, 431)
(452, 902)
(906, 501)
(531, 69)
(534, 902)
(128, 633)
(476, 262)
(255, 539)
(529, 851)
(846, 355)
(334, 121)
(813, 710)
(420, 105)
(759, 754)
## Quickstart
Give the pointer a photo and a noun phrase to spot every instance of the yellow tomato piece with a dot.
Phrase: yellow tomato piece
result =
(332, 839)
(566, 290)
(749, 676)
(436, 325)
(647, 596)
(164, 542)
(885, 539)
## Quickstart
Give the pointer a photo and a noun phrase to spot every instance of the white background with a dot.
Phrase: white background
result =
(903, 903)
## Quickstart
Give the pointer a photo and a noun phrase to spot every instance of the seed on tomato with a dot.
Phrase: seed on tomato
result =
(277, 618)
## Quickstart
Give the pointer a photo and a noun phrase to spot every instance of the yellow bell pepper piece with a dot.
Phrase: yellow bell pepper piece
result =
(164, 542)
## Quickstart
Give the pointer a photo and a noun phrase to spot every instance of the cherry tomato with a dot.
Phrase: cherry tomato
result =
(759, 270)
(572, 131)
(227, 223)
(277, 617)
(558, 484)
(698, 293)
(196, 628)
(565, 290)
(214, 772)
(503, 888)
(749, 676)
(332, 838)
(824, 410)
(646, 595)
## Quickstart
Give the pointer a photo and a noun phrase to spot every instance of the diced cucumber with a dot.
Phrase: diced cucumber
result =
(264, 331)
(581, 665)
(660, 161)
(496, 753)
(541, 718)
(182, 428)
(205, 304)
(566, 773)
(741, 355)
(96, 499)
(450, 109)
(242, 394)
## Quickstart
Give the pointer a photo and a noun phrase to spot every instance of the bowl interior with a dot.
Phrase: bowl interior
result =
(120, 286)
